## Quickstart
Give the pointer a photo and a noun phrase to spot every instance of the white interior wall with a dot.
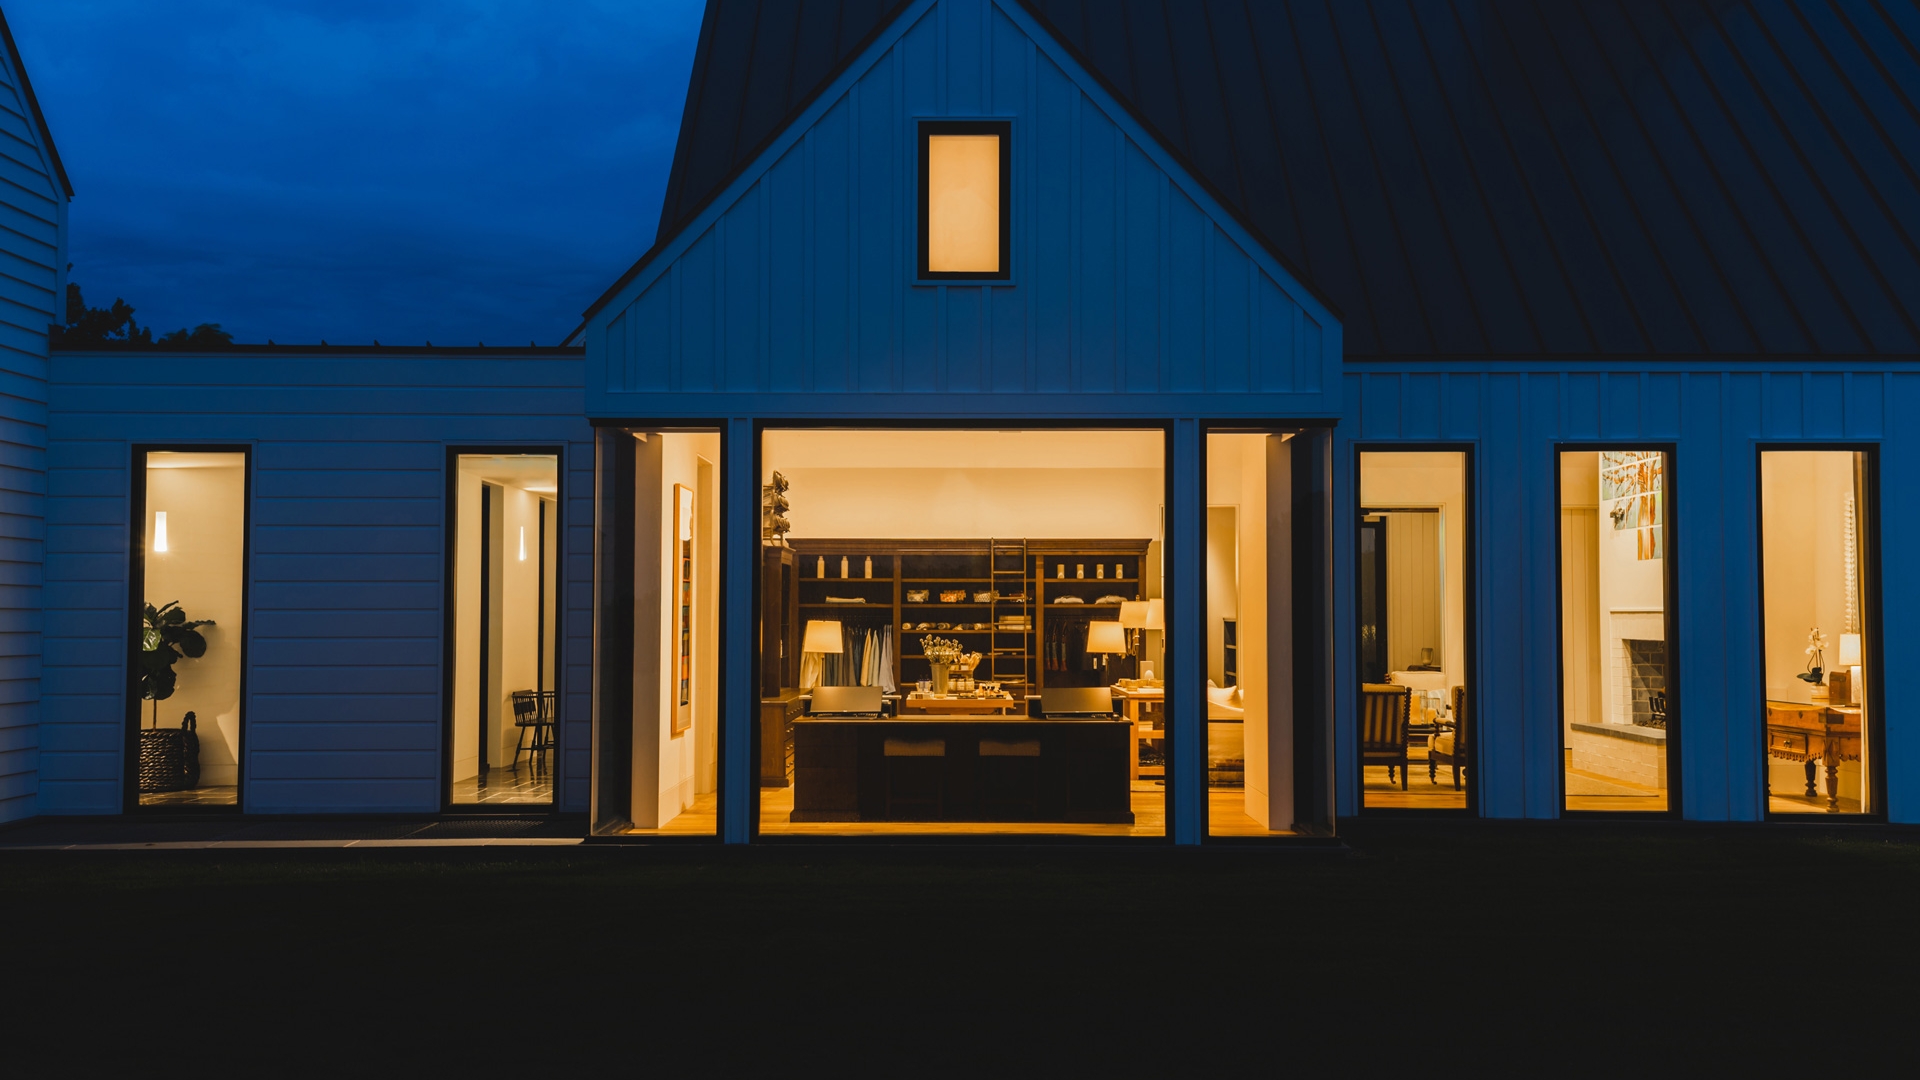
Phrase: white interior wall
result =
(1415, 588)
(666, 786)
(466, 621)
(986, 484)
(1429, 479)
(519, 612)
(204, 498)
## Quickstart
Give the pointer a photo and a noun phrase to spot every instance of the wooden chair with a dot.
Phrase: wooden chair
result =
(1452, 747)
(1384, 710)
(526, 714)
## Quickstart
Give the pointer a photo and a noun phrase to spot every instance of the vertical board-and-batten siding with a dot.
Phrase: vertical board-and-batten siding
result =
(347, 535)
(1127, 279)
(33, 211)
(1715, 418)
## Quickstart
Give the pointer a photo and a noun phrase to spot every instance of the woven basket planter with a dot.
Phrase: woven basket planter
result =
(170, 757)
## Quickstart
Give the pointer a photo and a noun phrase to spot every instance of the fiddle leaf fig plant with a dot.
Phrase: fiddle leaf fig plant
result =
(166, 636)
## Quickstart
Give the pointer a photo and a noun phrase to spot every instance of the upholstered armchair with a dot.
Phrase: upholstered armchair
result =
(1452, 747)
(1384, 711)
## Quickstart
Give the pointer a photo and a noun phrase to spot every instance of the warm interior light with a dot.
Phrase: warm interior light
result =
(159, 530)
(1156, 614)
(523, 543)
(1106, 637)
(963, 203)
(823, 636)
(1133, 614)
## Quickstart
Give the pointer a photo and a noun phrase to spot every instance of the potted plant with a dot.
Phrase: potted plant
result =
(170, 758)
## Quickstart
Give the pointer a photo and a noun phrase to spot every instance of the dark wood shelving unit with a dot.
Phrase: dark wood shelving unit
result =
(1014, 570)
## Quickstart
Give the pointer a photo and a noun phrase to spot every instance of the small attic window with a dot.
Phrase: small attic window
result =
(964, 171)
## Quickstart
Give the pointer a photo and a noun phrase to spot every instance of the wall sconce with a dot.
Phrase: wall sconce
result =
(523, 543)
(159, 530)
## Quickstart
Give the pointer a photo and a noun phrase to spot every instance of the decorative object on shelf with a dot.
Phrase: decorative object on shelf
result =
(1079, 570)
(1119, 570)
(820, 567)
(1060, 571)
(983, 597)
(1100, 571)
(1816, 661)
(1112, 598)
(942, 654)
(869, 566)
(846, 599)
(774, 525)
(918, 596)
(1070, 600)
(168, 757)
(843, 566)
(952, 596)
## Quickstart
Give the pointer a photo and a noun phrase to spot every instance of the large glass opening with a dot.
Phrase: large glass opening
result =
(1415, 713)
(189, 629)
(957, 632)
(504, 599)
(656, 739)
(1816, 517)
(1616, 657)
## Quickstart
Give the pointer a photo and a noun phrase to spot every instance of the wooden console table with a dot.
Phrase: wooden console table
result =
(1814, 734)
(1132, 703)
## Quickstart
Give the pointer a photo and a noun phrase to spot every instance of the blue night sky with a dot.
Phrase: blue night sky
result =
(400, 170)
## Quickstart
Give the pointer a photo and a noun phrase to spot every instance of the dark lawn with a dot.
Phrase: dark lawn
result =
(1566, 948)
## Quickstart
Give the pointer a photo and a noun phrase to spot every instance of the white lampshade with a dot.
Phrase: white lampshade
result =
(1107, 637)
(1133, 614)
(1849, 650)
(823, 636)
(1156, 614)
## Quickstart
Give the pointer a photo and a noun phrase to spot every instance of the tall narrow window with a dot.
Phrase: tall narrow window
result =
(504, 720)
(1815, 513)
(1616, 653)
(964, 169)
(188, 631)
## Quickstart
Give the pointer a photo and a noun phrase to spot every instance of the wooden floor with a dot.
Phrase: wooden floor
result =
(1379, 793)
(1595, 791)
(1225, 808)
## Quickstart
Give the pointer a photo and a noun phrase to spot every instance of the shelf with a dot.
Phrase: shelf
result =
(954, 580)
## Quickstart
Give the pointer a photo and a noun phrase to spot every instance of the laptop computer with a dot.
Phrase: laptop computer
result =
(1069, 702)
(845, 701)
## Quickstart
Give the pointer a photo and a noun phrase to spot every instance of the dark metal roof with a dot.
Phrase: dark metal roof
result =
(1480, 177)
(757, 65)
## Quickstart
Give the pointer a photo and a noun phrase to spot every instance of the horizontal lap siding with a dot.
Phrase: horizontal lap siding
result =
(31, 251)
(347, 555)
(1513, 418)
(1127, 281)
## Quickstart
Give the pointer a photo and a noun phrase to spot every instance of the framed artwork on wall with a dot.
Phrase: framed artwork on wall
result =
(683, 578)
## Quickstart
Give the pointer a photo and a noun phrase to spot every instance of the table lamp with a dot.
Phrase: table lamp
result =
(822, 636)
(1849, 663)
(1106, 637)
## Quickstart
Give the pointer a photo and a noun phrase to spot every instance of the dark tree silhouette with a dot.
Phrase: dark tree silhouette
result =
(114, 327)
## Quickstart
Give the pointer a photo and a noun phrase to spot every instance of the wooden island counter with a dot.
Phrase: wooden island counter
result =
(1077, 771)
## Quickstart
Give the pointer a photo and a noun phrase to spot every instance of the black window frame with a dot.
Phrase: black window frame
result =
(1003, 129)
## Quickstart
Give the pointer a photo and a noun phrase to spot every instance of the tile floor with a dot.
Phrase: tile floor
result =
(503, 788)
(210, 795)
